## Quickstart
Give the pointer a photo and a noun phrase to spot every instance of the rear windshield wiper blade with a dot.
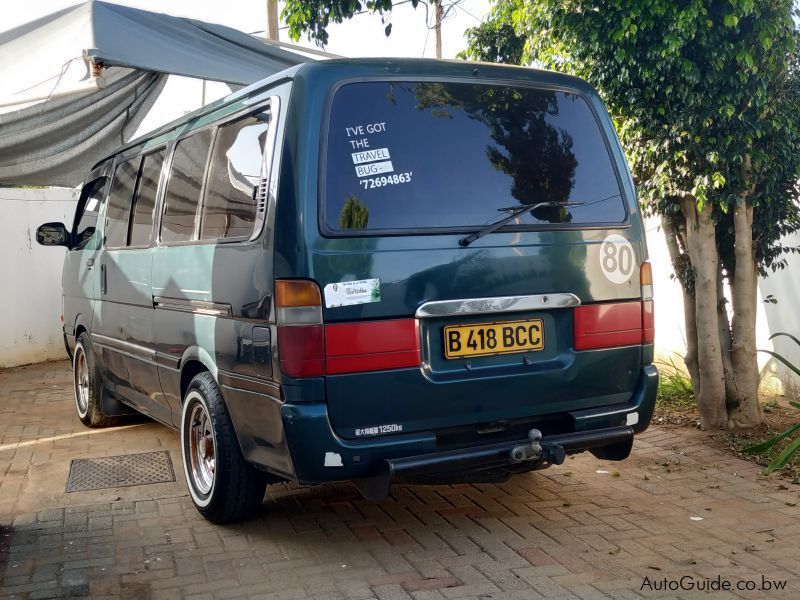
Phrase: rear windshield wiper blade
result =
(467, 240)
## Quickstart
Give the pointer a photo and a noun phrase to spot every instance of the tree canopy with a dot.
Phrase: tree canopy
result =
(705, 95)
(313, 17)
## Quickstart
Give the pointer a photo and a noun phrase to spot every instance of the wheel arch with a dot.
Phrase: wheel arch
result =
(195, 360)
(80, 327)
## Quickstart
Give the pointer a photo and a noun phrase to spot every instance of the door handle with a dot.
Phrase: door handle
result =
(89, 263)
(103, 287)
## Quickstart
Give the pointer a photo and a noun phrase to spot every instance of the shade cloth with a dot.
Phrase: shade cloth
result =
(56, 142)
(57, 117)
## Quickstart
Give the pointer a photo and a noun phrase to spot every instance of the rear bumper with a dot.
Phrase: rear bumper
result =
(318, 454)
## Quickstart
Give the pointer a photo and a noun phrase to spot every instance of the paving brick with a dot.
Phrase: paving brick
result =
(569, 532)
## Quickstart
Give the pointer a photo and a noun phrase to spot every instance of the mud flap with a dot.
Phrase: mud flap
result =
(619, 451)
(112, 407)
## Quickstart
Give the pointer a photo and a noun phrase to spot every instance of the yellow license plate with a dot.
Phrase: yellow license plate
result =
(485, 339)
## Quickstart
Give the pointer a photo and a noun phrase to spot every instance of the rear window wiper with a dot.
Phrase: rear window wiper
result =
(467, 240)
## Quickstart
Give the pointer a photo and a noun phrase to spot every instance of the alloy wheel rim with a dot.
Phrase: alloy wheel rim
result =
(81, 382)
(202, 451)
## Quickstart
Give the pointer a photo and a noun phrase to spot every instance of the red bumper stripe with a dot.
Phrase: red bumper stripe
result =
(371, 346)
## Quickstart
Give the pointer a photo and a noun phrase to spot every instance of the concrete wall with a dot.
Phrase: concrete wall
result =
(30, 300)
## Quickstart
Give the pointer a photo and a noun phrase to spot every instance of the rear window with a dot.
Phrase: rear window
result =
(425, 155)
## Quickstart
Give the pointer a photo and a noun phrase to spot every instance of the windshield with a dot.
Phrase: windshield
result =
(422, 155)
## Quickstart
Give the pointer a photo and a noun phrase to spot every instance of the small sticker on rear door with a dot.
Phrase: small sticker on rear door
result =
(379, 429)
(617, 259)
(347, 293)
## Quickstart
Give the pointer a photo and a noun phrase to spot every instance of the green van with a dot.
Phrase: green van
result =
(367, 270)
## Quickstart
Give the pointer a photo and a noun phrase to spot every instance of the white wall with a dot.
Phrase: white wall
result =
(668, 297)
(30, 275)
(30, 302)
(783, 285)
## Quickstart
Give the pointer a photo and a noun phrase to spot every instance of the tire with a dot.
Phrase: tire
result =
(87, 385)
(224, 487)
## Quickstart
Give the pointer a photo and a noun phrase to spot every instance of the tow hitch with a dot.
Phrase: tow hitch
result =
(458, 461)
(535, 451)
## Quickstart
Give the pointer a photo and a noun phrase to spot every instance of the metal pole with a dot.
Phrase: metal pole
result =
(272, 20)
(438, 28)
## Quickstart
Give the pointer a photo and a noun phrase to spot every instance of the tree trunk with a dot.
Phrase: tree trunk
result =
(702, 249)
(679, 266)
(744, 409)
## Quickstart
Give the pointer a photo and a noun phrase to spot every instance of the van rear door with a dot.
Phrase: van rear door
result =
(427, 329)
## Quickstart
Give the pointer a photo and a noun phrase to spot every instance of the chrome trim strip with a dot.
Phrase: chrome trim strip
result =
(129, 348)
(200, 307)
(499, 304)
(168, 361)
(248, 383)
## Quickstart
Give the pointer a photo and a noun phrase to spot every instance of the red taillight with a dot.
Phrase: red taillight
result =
(308, 348)
(302, 350)
(371, 346)
(619, 323)
(301, 334)
(648, 323)
(608, 325)
(648, 318)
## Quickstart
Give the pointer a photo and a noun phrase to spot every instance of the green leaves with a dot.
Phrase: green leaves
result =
(767, 444)
(730, 20)
(783, 457)
(693, 86)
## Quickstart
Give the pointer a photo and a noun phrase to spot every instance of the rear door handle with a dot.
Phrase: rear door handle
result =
(103, 287)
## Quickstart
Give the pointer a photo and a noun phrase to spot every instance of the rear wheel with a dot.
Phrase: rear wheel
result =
(224, 487)
(87, 385)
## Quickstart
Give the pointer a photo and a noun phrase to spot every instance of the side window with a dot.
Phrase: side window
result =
(184, 187)
(89, 211)
(142, 221)
(119, 203)
(229, 203)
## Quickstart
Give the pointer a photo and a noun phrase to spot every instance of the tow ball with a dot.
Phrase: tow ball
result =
(535, 451)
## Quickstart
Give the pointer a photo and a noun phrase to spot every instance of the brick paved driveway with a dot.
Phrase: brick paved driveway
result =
(585, 530)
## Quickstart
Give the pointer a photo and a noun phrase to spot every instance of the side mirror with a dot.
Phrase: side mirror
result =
(53, 234)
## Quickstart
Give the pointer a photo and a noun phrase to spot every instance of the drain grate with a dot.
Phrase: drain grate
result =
(120, 471)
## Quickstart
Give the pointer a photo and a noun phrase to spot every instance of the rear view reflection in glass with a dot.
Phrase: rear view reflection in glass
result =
(417, 155)
(354, 214)
(229, 206)
(184, 187)
(535, 154)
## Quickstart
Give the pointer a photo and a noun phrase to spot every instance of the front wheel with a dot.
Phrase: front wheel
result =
(224, 487)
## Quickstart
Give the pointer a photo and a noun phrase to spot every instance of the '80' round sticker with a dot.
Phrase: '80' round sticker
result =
(617, 259)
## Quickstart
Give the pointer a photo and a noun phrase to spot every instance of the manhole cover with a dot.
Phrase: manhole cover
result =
(120, 471)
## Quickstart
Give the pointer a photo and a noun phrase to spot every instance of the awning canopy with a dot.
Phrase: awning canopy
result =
(85, 77)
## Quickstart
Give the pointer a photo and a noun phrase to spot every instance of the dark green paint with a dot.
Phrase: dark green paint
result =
(286, 425)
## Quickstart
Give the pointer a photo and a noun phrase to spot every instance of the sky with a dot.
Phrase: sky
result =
(362, 36)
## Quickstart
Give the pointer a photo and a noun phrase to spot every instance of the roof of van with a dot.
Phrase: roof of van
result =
(371, 67)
